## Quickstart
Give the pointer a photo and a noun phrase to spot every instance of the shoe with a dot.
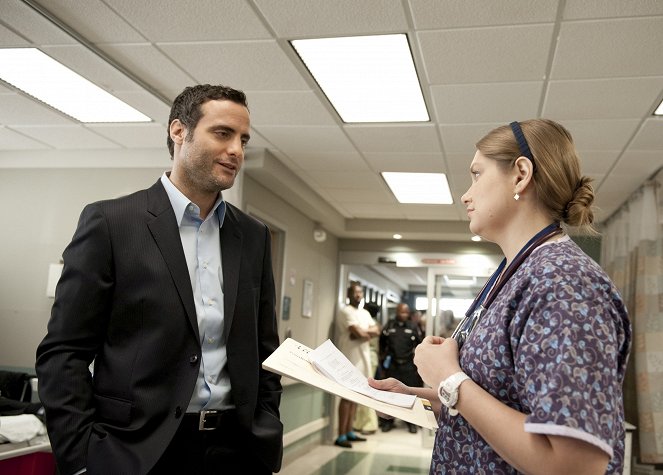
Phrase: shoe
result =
(343, 443)
(387, 426)
(412, 429)
(356, 438)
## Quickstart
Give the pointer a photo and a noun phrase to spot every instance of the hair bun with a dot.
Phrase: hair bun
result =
(578, 211)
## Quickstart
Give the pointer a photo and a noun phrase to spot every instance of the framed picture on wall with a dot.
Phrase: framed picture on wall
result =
(307, 299)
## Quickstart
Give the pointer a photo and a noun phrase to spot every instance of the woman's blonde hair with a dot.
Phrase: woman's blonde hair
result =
(559, 185)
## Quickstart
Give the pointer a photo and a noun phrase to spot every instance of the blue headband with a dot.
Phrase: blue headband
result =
(522, 142)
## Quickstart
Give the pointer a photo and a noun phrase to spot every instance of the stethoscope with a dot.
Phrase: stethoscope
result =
(497, 281)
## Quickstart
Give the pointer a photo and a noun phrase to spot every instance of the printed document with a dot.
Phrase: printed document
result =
(292, 359)
(329, 360)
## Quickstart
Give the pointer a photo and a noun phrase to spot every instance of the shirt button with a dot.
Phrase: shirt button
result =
(210, 302)
(210, 339)
(193, 359)
(178, 412)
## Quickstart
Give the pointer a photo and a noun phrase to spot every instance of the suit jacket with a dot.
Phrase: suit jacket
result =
(125, 300)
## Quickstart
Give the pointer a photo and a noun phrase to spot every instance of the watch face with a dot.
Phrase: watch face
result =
(444, 394)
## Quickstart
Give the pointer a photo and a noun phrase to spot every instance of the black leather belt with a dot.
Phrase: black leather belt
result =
(208, 420)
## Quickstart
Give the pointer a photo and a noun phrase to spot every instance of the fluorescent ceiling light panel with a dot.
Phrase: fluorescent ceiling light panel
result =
(659, 110)
(366, 78)
(40, 76)
(422, 188)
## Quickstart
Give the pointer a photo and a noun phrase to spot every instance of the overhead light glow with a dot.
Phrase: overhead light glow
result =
(49, 81)
(421, 188)
(659, 109)
(366, 78)
(398, 236)
(476, 238)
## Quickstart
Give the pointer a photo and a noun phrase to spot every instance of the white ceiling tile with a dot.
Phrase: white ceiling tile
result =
(9, 39)
(376, 211)
(495, 102)
(343, 179)
(640, 163)
(257, 65)
(258, 141)
(299, 140)
(365, 194)
(38, 30)
(594, 163)
(133, 135)
(11, 140)
(610, 48)
(204, 20)
(600, 134)
(318, 18)
(288, 108)
(394, 138)
(320, 160)
(149, 64)
(514, 53)
(650, 136)
(462, 139)
(406, 162)
(603, 98)
(17, 109)
(589, 9)
(436, 14)
(428, 212)
(95, 21)
(459, 163)
(68, 137)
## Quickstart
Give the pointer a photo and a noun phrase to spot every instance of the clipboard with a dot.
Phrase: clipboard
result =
(291, 359)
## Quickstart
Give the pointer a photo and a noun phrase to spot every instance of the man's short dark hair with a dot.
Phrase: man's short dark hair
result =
(186, 106)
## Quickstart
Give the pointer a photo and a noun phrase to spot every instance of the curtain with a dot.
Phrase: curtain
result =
(632, 254)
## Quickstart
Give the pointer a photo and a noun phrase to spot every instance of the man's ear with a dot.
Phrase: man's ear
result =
(523, 172)
(177, 131)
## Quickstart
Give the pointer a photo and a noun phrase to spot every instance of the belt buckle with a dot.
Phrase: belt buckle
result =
(203, 419)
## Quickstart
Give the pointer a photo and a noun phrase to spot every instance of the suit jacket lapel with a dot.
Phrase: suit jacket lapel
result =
(231, 251)
(166, 234)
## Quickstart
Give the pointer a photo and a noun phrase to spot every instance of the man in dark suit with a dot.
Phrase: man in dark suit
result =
(170, 291)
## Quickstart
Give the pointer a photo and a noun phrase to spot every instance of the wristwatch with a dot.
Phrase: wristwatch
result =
(448, 391)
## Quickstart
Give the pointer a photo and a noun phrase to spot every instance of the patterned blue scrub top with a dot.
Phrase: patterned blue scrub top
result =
(553, 345)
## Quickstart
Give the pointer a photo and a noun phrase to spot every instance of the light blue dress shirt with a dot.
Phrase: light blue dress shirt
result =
(202, 250)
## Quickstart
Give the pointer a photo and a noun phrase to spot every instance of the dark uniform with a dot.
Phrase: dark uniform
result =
(397, 343)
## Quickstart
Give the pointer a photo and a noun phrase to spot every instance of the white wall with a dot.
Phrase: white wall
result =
(40, 212)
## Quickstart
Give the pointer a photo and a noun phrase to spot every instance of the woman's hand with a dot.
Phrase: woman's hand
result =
(390, 384)
(436, 359)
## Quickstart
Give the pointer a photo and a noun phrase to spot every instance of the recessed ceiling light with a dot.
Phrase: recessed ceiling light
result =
(421, 188)
(476, 238)
(366, 78)
(398, 236)
(49, 81)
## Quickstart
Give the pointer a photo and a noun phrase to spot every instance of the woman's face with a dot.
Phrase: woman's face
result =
(489, 200)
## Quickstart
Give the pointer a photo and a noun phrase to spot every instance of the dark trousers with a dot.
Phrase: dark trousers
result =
(224, 450)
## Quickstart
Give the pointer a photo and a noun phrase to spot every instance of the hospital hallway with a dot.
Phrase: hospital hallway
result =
(394, 452)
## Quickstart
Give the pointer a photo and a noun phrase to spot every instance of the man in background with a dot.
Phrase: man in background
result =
(398, 340)
(354, 329)
(170, 292)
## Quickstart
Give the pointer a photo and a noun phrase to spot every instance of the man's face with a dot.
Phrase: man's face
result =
(402, 312)
(355, 295)
(211, 155)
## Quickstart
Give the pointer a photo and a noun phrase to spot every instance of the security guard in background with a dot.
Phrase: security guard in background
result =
(398, 340)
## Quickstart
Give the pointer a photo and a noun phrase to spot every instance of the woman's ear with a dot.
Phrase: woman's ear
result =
(523, 172)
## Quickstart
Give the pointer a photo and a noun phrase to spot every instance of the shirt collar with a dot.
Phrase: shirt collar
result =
(179, 201)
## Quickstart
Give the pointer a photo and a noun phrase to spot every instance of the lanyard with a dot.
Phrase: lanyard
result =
(496, 282)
